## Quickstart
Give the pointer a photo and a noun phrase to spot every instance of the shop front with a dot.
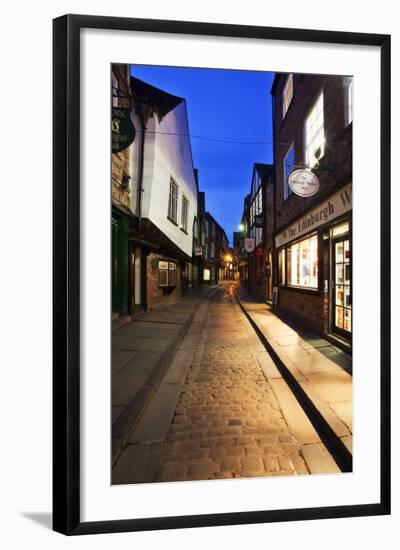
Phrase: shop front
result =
(119, 264)
(314, 273)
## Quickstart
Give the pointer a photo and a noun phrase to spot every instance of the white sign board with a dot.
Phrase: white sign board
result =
(326, 211)
(249, 244)
(303, 183)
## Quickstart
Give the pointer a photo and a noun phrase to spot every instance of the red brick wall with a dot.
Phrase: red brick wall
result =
(157, 296)
(338, 146)
(304, 307)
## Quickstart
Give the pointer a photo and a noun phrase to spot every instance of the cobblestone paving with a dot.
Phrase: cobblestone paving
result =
(227, 422)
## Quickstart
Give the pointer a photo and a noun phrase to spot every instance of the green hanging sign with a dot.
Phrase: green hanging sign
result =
(123, 130)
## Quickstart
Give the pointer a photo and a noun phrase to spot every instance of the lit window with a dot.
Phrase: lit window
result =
(303, 263)
(206, 274)
(184, 216)
(340, 230)
(166, 273)
(173, 201)
(288, 166)
(287, 94)
(282, 266)
(314, 133)
(348, 106)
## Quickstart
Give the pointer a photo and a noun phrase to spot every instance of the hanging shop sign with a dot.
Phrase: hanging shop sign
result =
(337, 205)
(198, 250)
(122, 129)
(249, 244)
(259, 220)
(303, 183)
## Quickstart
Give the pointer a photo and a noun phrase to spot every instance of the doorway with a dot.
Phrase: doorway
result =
(341, 287)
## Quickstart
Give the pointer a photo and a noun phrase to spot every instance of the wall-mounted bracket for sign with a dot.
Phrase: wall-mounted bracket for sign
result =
(318, 167)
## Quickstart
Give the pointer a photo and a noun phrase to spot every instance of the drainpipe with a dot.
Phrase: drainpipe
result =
(140, 182)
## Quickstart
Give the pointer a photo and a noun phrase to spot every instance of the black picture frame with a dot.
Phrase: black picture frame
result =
(66, 273)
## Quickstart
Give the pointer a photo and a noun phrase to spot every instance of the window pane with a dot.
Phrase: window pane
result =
(339, 252)
(287, 93)
(339, 317)
(339, 295)
(347, 274)
(162, 277)
(303, 265)
(314, 137)
(288, 166)
(339, 274)
(347, 320)
(347, 297)
(346, 251)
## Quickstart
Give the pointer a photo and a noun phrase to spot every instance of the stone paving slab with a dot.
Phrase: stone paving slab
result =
(295, 417)
(318, 459)
(321, 369)
(120, 358)
(137, 462)
(154, 426)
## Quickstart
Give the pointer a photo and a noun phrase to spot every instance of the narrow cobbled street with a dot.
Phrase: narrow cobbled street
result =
(227, 422)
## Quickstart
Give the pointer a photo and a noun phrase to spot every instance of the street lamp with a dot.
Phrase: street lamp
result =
(228, 258)
(241, 227)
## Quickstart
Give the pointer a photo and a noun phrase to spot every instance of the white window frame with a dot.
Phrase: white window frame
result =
(287, 191)
(287, 94)
(184, 213)
(314, 132)
(173, 197)
(169, 269)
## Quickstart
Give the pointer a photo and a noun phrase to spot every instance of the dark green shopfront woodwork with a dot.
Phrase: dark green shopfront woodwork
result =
(120, 264)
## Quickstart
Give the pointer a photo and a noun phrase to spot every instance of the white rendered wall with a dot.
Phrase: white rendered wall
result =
(167, 155)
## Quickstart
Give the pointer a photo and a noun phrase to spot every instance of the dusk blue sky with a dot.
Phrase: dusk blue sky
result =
(227, 104)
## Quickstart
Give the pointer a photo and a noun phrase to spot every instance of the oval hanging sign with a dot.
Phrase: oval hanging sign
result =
(122, 129)
(303, 183)
(249, 244)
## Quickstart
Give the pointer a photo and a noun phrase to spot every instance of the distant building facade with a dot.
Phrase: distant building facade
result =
(312, 237)
(260, 230)
(215, 249)
(242, 255)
